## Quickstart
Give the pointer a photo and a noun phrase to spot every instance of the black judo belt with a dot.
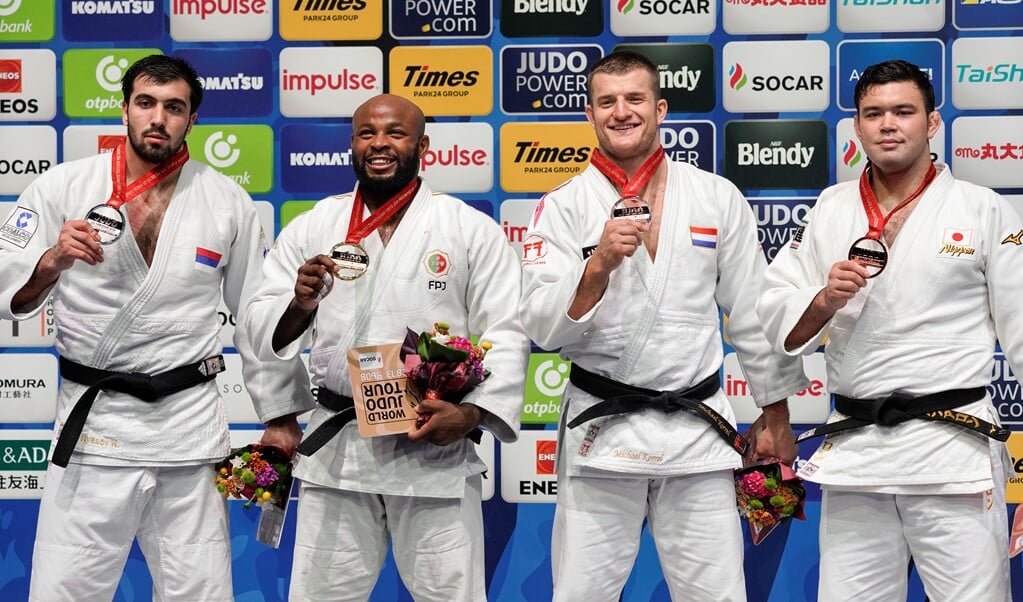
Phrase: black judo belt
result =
(148, 388)
(344, 412)
(620, 398)
(898, 408)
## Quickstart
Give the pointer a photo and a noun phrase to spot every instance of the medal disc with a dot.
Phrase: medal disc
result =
(107, 221)
(351, 259)
(631, 207)
(871, 254)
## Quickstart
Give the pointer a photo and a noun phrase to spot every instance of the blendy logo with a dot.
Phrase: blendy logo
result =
(1005, 392)
(853, 56)
(743, 17)
(92, 80)
(25, 152)
(412, 19)
(536, 157)
(986, 150)
(528, 468)
(460, 157)
(771, 154)
(778, 220)
(316, 159)
(663, 17)
(692, 142)
(987, 14)
(26, 20)
(890, 15)
(221, 20)
(546, 79)
(240, 152)
(686, 74)
(451, 80)
(776, 76)
(987, 73)
(331, 19)
(329, 82)
(236, 82)
(112, 20)
(551, 18)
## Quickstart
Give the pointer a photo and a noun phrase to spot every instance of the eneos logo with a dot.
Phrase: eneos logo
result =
(92, 80)
(243, 153)
(536, 157)
(452, 80)
(332, 19)
(546, 456)
(10, 76)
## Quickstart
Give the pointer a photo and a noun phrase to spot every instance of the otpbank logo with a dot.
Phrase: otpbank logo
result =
(536, 157)
(776, 76)
(743, 17)
(317, 159)
(850, 158)
(855, 56)
(28, 85)
(331, 19)
(777, 154)
(686, 74)
(551, 18)
(27, 20)
(221, 20)
(428, 19)
(986, 150)
(329, 82)
(692, 142)
(987, 73)
(890, 15)
(112, 20)
(663, 17)
(987, 14)
(236, 82)
(549, 80)
(460, 157)
(92, 80)
(546, 380)
(243, 153)
(450, 80)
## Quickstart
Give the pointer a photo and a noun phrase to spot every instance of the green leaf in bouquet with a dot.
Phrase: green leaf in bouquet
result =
(432, 351)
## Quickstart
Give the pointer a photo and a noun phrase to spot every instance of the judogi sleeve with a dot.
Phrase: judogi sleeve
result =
(1003, 265)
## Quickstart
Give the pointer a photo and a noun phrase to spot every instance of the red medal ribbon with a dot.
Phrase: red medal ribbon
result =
(618, 176)
(123, 193)
(359, 228)
(875, 218)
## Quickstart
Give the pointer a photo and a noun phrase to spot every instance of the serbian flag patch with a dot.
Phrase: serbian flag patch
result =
(207, 257)
(704, 237)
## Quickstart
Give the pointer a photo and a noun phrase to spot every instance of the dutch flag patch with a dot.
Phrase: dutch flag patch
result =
(704, 237)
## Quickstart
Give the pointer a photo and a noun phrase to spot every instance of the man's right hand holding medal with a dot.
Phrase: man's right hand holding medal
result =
(77, 241)
(621, 238)
(845, 279)
(315, 280)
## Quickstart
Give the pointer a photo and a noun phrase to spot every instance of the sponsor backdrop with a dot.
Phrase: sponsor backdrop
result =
(758, 90)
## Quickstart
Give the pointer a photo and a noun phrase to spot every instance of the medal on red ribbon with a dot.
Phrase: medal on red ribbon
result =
(869, 250)
(107, 219)
(350, 256)
(630, 206)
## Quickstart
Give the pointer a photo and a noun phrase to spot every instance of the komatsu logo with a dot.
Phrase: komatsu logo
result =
(334, 159)
(232, 82)
(112, 7)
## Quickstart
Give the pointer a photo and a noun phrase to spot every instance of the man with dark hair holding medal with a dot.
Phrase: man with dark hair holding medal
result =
(625, 268)
(347, 279)
(912, 276)
(135, 249)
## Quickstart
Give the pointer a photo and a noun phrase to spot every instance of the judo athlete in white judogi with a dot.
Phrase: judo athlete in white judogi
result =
(433, 259)
(910, 333)
(636, 306)
(144, 303)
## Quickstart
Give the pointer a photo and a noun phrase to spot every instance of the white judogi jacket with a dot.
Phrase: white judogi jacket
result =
(657, 324)
(399, 291)
(123, 316)
(927, 323)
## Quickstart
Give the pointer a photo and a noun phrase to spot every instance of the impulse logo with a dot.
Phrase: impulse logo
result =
(460, 157)
(207, 8)
(736, 77)
(546, 79)
(10, 76)
(343, 80)
(851, 155)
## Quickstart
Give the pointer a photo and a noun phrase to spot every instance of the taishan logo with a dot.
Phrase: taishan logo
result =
(207, 8)
(444, 80)
(10, 76)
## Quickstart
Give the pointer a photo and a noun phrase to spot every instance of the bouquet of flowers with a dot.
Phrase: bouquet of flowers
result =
(259, 474)
(768, 494)
(439, 365)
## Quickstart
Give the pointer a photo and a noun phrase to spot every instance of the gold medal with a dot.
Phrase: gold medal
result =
(351, 259)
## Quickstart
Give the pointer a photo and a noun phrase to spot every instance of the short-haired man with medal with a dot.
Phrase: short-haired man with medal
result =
(134, 249)
(349, 279)
(910, 276)
(625, 268)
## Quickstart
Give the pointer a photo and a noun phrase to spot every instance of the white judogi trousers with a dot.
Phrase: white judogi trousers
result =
(342, 537)
(695, 525)
(89, 516)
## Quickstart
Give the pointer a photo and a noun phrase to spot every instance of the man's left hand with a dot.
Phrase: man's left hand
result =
(771, 434)
(283, 433)
(446, 422)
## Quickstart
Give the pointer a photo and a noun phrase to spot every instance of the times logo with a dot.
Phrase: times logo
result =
(551, 18)
(536, 157)
(663, 17)
(987, 73)
(446, 80)
(686, 74)
(854, 56)
(221, 20)
(329, 82)
(460, 157)
(331, 19)
(986, 150)
(112, 20)
(746, 17)
(772, 154)
(28, 86)
(546, 79)
(762, 77)
(417, 19)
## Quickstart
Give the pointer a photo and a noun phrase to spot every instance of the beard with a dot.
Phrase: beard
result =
(406, 170)
(150, 154)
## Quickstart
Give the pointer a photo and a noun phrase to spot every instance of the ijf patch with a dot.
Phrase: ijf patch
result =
(207, 257)
(704, 237)
(20, 227)
(437, 263)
